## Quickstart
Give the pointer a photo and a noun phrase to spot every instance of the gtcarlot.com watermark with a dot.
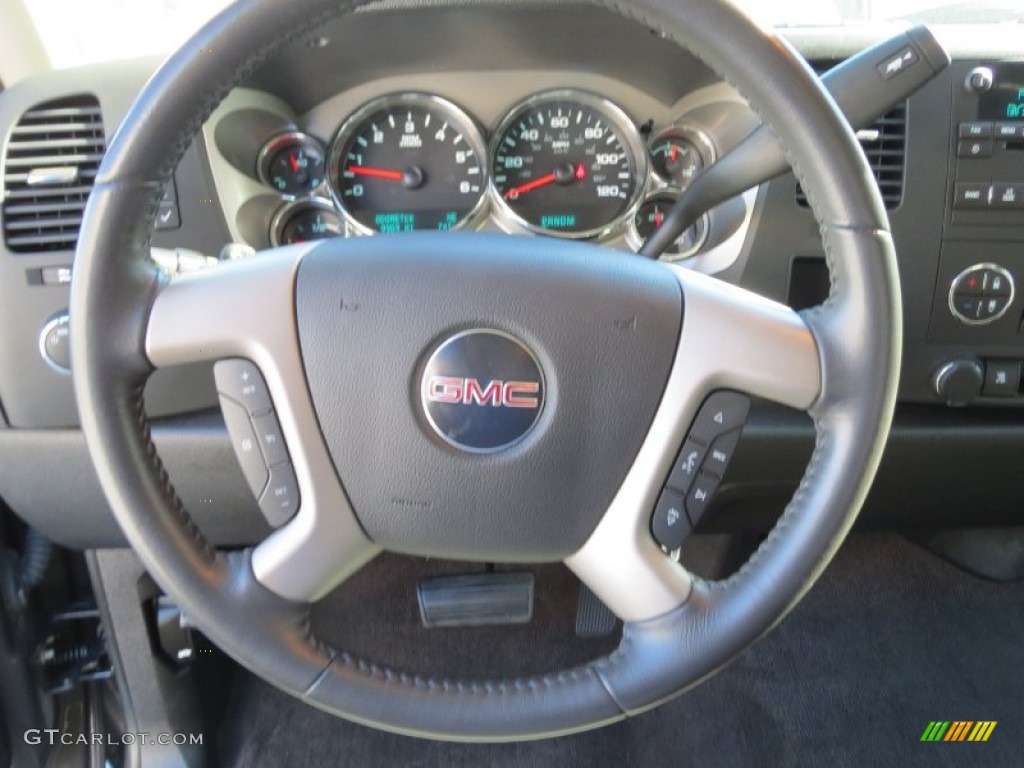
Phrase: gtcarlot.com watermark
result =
(54, 736)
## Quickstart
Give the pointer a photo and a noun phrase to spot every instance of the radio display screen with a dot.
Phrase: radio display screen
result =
(1005, 100)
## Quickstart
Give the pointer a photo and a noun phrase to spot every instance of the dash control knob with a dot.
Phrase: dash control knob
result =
(959, 381)
(54, 343)
(979, 80)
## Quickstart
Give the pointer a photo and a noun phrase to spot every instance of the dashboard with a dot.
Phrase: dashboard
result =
(562, 163)
(561, 125)
(583, 157)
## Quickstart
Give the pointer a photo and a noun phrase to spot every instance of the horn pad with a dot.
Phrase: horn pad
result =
(483, 396)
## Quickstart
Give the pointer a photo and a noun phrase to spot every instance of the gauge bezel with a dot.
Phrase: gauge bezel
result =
(690, 133)
(275, 144)
(287, 211)
(635, 241)
(511, 221)
(465, 123)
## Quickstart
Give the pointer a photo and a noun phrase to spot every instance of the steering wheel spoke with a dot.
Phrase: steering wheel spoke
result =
(731, 339)
(735, 339)
(237, 309)
(246, 310)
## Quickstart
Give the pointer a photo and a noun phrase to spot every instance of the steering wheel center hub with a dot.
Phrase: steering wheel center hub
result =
(482, 397)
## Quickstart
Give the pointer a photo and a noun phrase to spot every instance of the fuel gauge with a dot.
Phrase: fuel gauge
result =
(292, 163)
(678, 155)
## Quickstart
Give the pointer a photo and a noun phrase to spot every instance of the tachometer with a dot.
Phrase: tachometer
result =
(408, 161)
(567, 163)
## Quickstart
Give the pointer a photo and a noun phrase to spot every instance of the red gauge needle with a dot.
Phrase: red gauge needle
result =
(294, 162)
(563, 175)
(530, 185)
(377, 173)
(658, 218)
(675, 151)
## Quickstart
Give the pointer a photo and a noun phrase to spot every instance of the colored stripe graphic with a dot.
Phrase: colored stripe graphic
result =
(982, 730)
(958, 730)
(935, 730)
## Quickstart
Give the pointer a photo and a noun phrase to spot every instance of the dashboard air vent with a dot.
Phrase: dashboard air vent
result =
(885, 146)
(49, 165)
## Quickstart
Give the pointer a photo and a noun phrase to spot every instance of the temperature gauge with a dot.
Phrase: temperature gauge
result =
(304, 221)
(649, 217)
(292, 163)
(678, 155)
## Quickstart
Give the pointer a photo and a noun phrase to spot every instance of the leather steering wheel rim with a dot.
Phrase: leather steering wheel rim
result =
(857, 333)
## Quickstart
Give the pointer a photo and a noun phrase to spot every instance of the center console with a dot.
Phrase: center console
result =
(976, 315)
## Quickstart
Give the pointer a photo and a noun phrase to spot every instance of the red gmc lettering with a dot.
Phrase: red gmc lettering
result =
(510, 394)
(473, 392)
(445, 389)
(514, 394)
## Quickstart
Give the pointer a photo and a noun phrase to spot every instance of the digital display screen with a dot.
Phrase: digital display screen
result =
(1005, 100)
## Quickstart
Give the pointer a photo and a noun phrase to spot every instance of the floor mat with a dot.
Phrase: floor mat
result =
(889, 640)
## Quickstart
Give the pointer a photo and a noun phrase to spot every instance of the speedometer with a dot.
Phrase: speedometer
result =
(406, 162)
(567, 163)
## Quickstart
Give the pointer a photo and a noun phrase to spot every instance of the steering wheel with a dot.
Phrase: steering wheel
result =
(602, 363)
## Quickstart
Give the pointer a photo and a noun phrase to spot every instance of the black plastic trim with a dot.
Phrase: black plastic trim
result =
(47, 479)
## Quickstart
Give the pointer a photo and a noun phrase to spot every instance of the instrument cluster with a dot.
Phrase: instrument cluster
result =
(562, 163)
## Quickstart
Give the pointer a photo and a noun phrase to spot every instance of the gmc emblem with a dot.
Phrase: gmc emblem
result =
(505, 400)
(497, 394)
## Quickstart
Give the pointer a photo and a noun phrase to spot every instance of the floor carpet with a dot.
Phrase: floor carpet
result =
(890, 639)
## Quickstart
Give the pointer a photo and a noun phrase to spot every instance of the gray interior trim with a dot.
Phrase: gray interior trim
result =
(69, 507)
(731, 339)
(249, 311)
(22, 53)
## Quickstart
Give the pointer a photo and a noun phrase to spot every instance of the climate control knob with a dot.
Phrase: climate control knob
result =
(959, 381)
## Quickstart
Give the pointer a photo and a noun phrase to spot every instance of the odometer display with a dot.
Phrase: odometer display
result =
(567, 163)
(408, 162)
